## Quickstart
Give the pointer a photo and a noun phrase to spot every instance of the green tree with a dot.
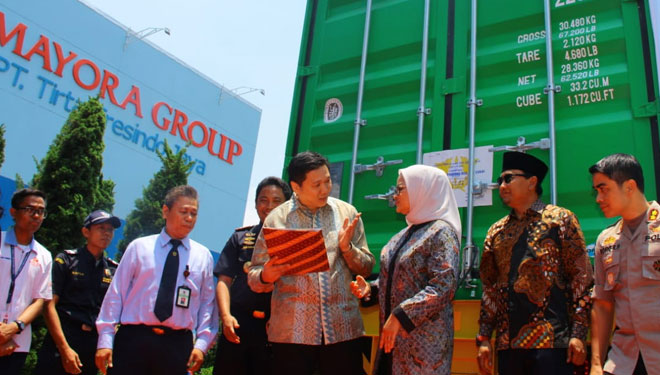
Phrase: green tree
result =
(147, 216)
(20, 184)
(70, 175)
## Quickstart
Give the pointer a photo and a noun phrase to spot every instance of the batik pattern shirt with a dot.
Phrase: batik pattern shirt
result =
(536, 279)
(423, 282)
(315, 308)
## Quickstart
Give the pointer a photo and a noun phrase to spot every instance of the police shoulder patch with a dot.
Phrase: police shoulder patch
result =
(653, 214)
(59, 260)
(71, 252)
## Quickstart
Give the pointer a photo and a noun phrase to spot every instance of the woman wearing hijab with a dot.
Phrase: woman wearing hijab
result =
(418, 273)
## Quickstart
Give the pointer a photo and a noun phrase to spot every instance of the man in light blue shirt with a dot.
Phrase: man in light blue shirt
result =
(162, 292)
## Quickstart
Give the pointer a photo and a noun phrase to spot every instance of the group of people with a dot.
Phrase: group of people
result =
(156, 312)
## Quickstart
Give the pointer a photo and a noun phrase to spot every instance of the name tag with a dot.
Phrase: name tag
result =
(183, 297)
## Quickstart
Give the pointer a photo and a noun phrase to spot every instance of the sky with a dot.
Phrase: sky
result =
(237, 43)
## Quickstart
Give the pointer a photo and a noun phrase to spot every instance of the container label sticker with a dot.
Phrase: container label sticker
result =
(455, 163)
(333, 110)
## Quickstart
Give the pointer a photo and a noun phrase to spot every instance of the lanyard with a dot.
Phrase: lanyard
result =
(14, 274)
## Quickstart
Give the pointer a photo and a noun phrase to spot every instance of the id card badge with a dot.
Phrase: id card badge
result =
(183, 297)
(5, 316)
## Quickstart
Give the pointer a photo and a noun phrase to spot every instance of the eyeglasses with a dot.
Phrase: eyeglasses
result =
(399, 189)
(34, 211)
(507, 178)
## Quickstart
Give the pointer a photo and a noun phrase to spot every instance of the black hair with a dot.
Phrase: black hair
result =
(304, 162)
(277, 182)
(20, 195)
(539, 189)
(620, 168)
(180, 191)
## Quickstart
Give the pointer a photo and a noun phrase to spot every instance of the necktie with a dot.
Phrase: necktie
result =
(165, 298)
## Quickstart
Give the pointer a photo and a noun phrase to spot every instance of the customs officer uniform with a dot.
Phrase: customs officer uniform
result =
(81, 282)
(252, 310)
(627, 265)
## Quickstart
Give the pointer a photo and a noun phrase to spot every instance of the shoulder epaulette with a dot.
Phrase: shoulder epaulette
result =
(247, 227)
(613, 224)
(112, 261)
(71, 251)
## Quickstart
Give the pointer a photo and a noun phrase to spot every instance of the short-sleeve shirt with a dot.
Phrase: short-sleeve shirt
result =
(33, 282)
(234, 262)
(627, 266)
(80, 281)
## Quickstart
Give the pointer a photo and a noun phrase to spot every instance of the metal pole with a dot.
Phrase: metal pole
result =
(359, 122)
(421, 111)
(472, 103)
(550, 90)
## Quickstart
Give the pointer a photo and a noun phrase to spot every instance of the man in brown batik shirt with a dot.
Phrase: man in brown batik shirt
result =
(536, 280)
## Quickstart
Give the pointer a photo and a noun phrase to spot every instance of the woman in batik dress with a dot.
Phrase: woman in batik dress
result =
(418, 275)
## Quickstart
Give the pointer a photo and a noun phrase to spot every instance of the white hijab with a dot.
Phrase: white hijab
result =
(431, 196)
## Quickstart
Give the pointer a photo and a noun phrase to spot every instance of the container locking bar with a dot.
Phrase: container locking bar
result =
(379, 166)
(522, 146)
(389, 196)
(480, 188)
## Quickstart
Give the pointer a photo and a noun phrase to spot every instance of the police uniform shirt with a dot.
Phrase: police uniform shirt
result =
(627, 266)
(132, 294)
(32, 282)
(234, 262)
(81, 281)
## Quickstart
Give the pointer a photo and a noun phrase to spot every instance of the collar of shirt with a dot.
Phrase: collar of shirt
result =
(297, 205)
(10, 239)
(164, 240)
(84, 253)
(536, 208)
(653, 205)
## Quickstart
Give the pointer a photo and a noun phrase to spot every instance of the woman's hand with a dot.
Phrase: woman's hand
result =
(360, 287)
(391, 329)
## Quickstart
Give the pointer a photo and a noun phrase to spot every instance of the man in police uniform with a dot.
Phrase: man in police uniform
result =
(243, 346)
(80, 279)
(627, 264)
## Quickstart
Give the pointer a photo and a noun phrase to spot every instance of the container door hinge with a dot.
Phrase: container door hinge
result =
(389, 196)
(453, 85)
(647, 110)
(307, 70)
(379, 166)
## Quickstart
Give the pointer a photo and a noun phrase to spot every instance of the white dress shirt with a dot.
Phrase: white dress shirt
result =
(132, 294)
(32, 283)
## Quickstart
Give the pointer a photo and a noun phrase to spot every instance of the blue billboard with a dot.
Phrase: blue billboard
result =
(54, 54)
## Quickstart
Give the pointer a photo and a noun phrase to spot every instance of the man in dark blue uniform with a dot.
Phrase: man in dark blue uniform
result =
(243, 346)
(80, 279)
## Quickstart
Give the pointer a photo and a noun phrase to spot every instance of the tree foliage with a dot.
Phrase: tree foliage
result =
(70, 175)
(147, 218)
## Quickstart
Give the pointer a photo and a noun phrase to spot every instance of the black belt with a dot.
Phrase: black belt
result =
(256, 314)
(67, 320)
(157, 330)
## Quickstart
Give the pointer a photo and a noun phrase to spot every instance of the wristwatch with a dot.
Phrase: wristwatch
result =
(480, 339)
(20, 324)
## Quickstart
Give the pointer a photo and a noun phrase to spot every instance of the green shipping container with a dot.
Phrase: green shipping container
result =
(605, 101)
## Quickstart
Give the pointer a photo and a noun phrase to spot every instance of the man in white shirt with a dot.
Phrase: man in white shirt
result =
(162, 292)
(25, 278)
